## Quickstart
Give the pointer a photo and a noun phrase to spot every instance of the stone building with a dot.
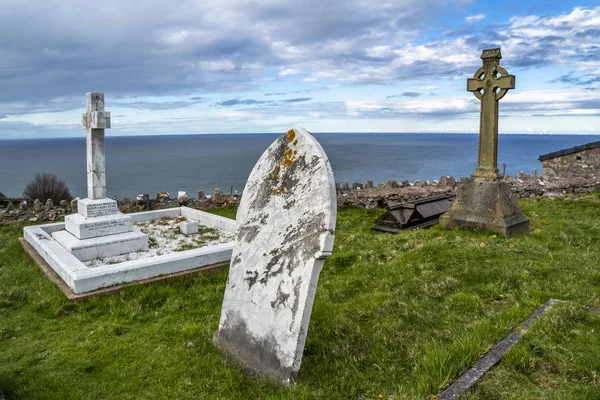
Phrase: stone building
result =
(579, 161)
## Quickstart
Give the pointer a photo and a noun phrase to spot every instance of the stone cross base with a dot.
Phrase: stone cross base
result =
(486, 204)
(99, 230)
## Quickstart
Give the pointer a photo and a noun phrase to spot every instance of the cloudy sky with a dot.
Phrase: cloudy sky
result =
(223, 66)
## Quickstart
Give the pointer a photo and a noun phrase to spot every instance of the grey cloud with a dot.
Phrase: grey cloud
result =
(297, 100)
(594, 33)
(239, 102)
(126, 50)
(405, 94)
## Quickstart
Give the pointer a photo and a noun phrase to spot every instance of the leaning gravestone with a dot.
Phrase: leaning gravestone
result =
(286, 222)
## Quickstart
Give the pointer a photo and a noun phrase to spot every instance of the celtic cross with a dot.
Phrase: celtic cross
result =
(489, 84)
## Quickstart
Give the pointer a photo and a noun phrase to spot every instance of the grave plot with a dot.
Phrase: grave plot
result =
(106, 271)
(100, 247)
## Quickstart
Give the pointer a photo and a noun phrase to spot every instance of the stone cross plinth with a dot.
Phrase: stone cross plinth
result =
(485, 201)
(98, 229)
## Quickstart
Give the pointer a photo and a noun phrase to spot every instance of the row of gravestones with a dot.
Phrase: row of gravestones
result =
(445, 181)
(37, 205)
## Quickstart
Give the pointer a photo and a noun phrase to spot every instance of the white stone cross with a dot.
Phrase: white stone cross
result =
(95, 120)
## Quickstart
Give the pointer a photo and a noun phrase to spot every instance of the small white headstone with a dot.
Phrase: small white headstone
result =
(286, 222)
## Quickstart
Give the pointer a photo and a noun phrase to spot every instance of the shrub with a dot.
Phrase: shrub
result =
(47, 186)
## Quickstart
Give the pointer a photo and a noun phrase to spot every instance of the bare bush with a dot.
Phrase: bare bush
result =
(47, 186)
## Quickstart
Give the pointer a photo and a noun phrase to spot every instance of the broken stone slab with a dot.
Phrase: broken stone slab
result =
(37, 204)
(10, 206)
(391, 184)
(64, 204)
(369, 184)
(286, 222)
(24, 205)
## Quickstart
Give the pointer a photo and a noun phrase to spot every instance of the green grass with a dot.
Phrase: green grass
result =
(399, 316)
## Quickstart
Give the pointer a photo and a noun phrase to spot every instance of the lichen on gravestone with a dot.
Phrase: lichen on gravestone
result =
(286, 222)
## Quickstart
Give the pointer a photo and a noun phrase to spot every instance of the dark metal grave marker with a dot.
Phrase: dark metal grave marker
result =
(421, 213)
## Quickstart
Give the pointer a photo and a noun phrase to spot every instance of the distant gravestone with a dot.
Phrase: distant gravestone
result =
(485, 201)
(286, 221)
(10, 206)
(37, 204)
(49, 204)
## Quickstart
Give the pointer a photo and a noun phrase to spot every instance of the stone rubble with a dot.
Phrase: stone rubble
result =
(375, 196)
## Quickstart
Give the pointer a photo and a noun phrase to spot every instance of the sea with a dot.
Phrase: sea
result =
(172, 163)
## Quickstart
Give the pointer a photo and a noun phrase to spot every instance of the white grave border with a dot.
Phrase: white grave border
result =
(81, 278)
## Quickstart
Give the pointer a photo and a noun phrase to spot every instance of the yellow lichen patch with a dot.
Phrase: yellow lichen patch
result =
(291, 134)
(295, 142)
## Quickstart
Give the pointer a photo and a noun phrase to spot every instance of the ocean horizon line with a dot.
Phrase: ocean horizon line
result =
(108, 135)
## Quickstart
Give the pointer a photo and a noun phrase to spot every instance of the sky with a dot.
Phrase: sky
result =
(241, 66)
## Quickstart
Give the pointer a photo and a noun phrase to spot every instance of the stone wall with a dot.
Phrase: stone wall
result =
(367, 195)
(522, 185)
(585, 163)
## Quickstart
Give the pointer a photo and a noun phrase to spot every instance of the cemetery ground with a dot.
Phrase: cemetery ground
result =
(395, 316)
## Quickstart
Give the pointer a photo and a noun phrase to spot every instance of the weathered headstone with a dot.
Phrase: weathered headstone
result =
(49, 204)
(485, 201)
(369, 185)
(10, 206)
(217, 194)
(24, 205)
(182, 196)
(64, 204)
(286, 221)
(37, 204)
(201, 195)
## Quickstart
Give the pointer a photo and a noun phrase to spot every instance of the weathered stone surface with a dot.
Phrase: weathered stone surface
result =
(286, 228)
(418, 183)
(188, 227)
(10, 206)
(37, 204)
(486, 204)
(24, 205)
(95, 120)
(102, 246)
(49, 204)
(86, 228)
(584, 163)
(391, 184)
(201, 195)
(97, 208)
(485, 201)
(369, 184)
(217, 193)
(64, 204)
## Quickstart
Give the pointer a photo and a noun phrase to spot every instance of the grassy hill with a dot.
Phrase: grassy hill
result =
(395, 316)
